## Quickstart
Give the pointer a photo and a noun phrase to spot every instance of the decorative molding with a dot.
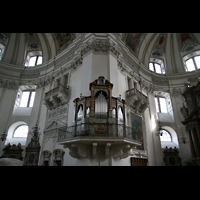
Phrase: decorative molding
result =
(105, 46)
(4, 38)
(58, 156)
(136, 100)
(56, 97)
(77, 150)
(187, 43)
(171, 157)
(30, 74)
(160, 81)
(66, 43)
(159, 46)
(121, 151)
(72, 57)
(32, 42)
(59, 112)
(176, 91)
(7, 84)
(46, 156)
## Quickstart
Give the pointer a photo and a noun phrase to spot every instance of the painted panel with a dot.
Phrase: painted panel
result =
(136, 124)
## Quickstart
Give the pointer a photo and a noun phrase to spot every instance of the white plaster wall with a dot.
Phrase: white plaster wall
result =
(149, 138)
(114, 76)
(100, 66)
(117, 78)
(79, 83)
(157, 151)
(122, 84)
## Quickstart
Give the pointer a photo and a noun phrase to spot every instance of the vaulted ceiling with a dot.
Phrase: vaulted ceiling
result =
(170, 47)
(49, 43)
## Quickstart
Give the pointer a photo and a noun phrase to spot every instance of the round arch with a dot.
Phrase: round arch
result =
(13, 140)
(174, 142)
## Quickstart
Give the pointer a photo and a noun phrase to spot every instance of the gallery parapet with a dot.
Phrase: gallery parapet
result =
(99, 130)
(136, 100)
(56, 97)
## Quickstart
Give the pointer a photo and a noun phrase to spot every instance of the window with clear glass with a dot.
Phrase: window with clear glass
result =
(151, 67)
(0, 53)
(165, 136)
(161, 105)
(193, 63)
(35, 60)
(21, 131)
(2, 47)
(27, 99)
(156, 67)
(157, 105)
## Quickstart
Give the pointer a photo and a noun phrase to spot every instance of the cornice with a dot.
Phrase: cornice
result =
(72, 56)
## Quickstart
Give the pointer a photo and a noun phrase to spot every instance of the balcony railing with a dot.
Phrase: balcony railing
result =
(134, 91)
(95, 130)
(136, 100)
(56, 97)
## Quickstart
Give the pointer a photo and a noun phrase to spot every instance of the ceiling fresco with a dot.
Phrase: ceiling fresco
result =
(132, 40)
(63, 38)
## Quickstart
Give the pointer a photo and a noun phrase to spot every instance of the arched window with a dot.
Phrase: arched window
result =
(157, 66)
(165, 136)
(17, 133)
(21, 131)
(0, 53)
(3, 43)
(33, 59)
(192, 63)
(168, 137)
(2, 47)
